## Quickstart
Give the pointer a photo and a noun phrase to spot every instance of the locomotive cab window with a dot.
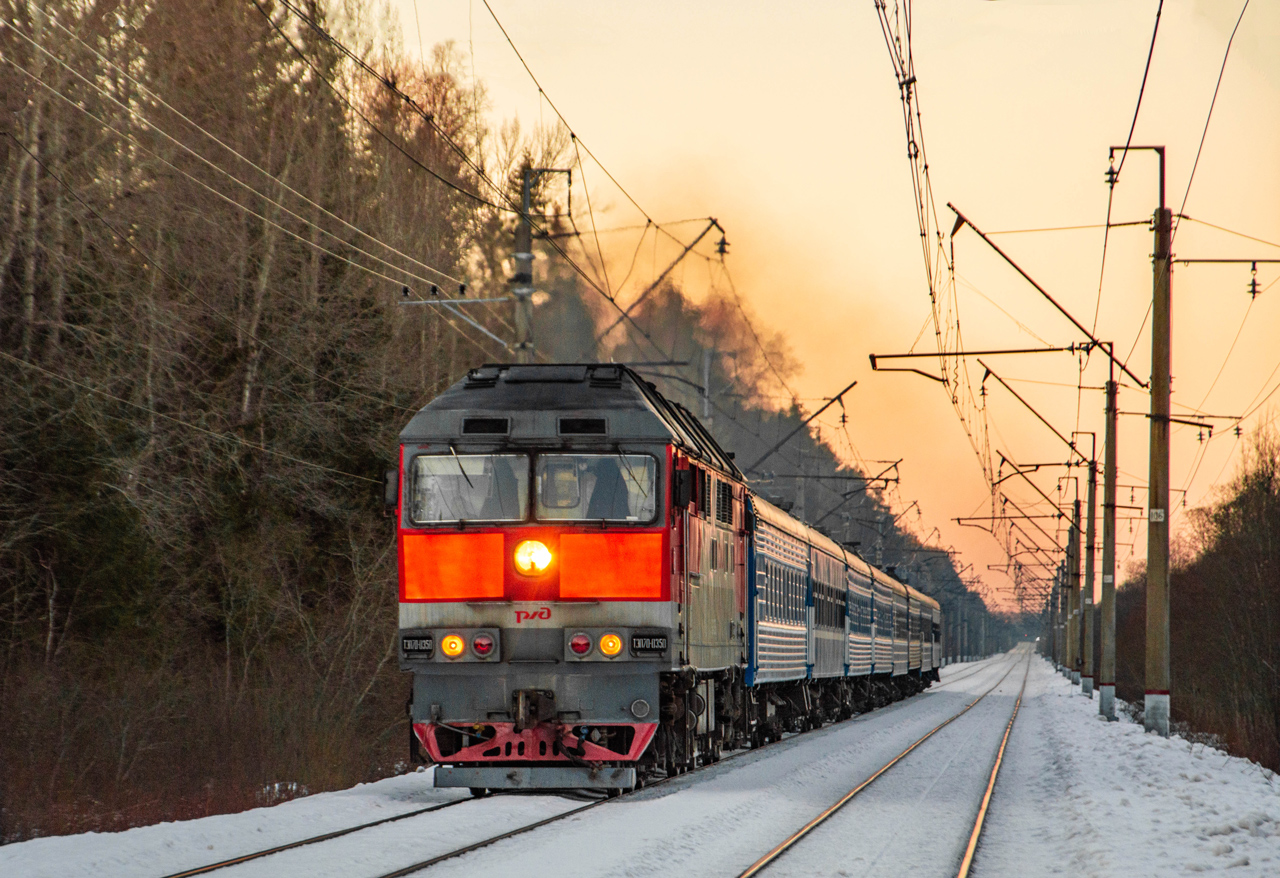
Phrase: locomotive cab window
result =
(469, 487)
(597, 487)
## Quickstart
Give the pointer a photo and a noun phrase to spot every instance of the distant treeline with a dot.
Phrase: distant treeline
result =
(209, 216)
(1224, 623)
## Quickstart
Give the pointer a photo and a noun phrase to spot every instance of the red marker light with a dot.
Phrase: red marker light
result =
(482, 644)
(580, 644)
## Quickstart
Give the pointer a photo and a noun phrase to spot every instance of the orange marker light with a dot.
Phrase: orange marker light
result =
(532, 557)
(452, 646)
(611, 644)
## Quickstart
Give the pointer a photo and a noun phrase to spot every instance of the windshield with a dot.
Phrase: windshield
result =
(469, 487)
(597, 487)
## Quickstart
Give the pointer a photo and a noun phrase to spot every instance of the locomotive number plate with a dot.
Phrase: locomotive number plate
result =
(649, 644)
(418, 646)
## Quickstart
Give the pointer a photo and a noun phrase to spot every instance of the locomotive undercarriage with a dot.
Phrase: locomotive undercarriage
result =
(703, 715)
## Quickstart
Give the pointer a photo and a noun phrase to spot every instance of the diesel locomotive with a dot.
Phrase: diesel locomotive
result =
(590, 594)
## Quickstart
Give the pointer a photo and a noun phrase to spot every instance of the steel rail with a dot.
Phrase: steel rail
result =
(768, 859)
(983, 665)
(520, 830)
(416, 867)
(244, 858)
(967, 861)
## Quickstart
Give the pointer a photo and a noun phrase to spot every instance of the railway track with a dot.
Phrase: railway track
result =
(450, 855)
(971, 847)
(458, 852)
(315, 839)
(980, 666)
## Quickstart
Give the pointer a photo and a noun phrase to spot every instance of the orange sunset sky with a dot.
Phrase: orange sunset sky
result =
(783, 121)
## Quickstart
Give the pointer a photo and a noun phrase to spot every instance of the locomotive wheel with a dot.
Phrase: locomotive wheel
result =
(479, 792)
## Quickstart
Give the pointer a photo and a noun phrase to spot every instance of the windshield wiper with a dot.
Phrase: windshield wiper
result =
(622, 457)
(460, 469)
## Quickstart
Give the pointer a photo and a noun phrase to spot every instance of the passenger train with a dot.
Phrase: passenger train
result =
(591, 596)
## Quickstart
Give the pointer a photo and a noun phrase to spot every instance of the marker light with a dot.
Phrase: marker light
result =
(611, 645)
(452, 645)
(580, 644)
(483, 645)
(532, 557)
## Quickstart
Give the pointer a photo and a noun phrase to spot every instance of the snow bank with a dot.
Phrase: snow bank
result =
(1081, 796)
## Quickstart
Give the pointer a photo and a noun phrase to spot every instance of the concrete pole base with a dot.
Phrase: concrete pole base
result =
(1075, 678)
(1156, 715)
(1107, 701)
(1086, 687)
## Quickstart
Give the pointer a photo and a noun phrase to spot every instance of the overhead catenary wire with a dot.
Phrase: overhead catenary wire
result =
(542, 94)
(480, 172)
(1209, 116)
(250, 211)
(1114, 178)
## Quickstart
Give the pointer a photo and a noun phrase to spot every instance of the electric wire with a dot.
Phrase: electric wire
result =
(1230, 350)
(1114, 178)
(187, 424)
(356, 59)
(250, 211)
(1209, 116)
(604, 271)
(149, 125)
(542, 94)
(385, 82)
(154, 263)
(1230, 231)
(274, 179)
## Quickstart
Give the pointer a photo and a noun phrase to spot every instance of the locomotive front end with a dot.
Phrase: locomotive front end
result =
(535, 572)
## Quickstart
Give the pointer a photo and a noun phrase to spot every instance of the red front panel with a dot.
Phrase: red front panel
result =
(544, 743)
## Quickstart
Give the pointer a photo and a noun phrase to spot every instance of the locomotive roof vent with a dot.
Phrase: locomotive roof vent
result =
(485, 376)
(606, 376)
(583, 427)
(485, 426)
(546, 374)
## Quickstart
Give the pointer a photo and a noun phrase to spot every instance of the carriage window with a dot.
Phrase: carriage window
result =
(469, 487)
(597, 487)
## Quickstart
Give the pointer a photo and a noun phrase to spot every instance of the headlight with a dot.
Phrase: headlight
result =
(611, 645)
(452, 645)
(580, 644)
(532, 557)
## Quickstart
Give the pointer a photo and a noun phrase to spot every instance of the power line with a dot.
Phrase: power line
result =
(1209, 117)
(154, 263)
(242, 207)
(1230, 350)
(181, 422)
(148, 124)
(1113, 178)
(544, 96)
(480, 172)
(160, 100)
(1230, 231)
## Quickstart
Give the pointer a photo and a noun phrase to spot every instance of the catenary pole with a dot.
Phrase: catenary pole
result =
(1156, 714)
(1086, 605)
(522, 283)
(1074, 554)
(1107, 672)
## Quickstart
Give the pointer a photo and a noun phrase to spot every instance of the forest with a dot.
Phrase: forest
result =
(213, 213)
(1224, 615)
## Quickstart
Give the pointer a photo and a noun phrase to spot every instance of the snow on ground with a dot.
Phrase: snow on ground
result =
(1081, 796)
(1076, 795)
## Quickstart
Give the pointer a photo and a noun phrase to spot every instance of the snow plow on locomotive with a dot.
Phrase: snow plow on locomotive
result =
(590, 595)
